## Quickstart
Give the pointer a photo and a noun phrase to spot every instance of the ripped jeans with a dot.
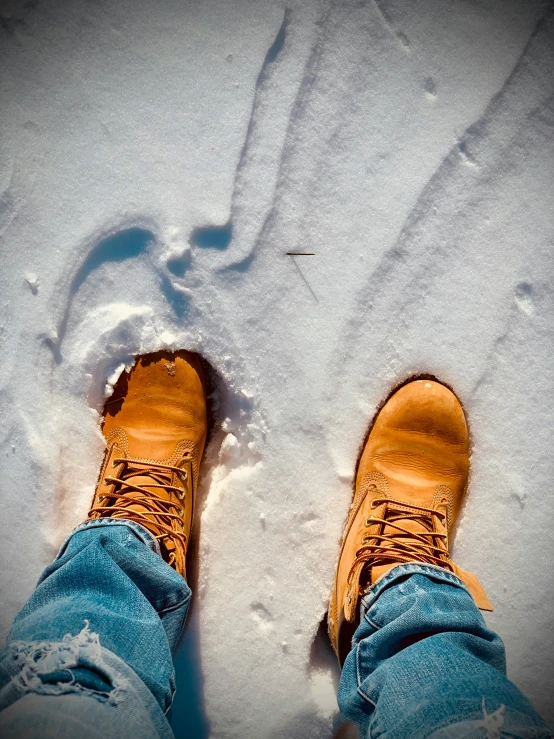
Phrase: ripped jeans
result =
(89, 655)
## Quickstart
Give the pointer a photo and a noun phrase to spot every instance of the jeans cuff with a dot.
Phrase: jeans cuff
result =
(140, 531)
(400, 571)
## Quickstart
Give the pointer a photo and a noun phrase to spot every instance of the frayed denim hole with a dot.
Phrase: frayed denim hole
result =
(86, 677)
(92, 679)
(58, 676)
(49, 668)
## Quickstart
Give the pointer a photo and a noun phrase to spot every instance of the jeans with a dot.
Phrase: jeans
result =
(424, 664)
(89, 655)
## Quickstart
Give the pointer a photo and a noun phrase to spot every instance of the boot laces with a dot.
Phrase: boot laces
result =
(164, 514)
(425, 545)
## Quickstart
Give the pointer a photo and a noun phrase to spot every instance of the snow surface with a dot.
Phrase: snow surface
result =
(158, 161)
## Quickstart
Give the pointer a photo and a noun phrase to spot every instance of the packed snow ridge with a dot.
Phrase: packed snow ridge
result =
(159, 162)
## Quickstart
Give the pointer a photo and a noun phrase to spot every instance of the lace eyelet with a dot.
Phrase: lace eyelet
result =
(369, 521)
(374, 503)
(181, 496)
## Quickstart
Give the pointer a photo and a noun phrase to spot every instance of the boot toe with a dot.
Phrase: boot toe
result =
(425, 407)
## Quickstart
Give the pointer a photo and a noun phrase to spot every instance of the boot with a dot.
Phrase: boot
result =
(411, 480)
(155, 429)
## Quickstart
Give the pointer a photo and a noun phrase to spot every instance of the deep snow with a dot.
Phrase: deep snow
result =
(157, 163)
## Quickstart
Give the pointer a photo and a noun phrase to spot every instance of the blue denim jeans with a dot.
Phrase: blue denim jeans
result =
(89, 655)
(424, 664)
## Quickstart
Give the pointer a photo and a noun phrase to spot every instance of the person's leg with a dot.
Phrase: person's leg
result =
(418, 658)
(424, 664)
(89, 655)
(90, 652)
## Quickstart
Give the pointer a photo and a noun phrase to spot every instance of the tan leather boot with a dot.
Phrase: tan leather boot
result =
(155, 428)
(410, 484)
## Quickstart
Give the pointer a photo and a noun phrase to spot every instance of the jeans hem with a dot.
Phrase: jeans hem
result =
(410, 568)
(138, 529)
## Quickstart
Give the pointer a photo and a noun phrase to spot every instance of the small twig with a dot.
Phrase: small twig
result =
(301, 275)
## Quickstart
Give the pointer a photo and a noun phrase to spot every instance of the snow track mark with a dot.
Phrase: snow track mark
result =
(262, 616)
(400, 37)
(124, 244)
(253, 170)
(444, 231)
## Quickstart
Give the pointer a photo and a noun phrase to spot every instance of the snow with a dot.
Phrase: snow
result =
(158, 161)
